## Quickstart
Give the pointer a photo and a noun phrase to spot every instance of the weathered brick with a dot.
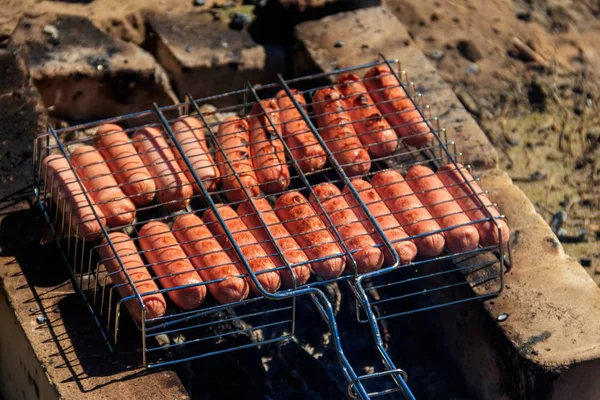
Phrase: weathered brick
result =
(203, 56)
(83, 73)
(371, 31)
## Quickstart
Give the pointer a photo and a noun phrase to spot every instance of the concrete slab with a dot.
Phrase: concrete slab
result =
(370, 31)
(83, 73)
(203, 56)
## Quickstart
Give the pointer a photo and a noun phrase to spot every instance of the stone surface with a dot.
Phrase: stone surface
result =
(371, 31)
(22, 116)
(205, 57)
(82, 73)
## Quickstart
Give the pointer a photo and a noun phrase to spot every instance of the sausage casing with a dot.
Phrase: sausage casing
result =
(372, 128)
(171, 265)
(210, 260)
(365, 252)
(140, 277)
(190, 135)
(440, 203)
(301, 220)
(253, 252)
(409, 211)
(397, 107)
(336, 128)
(288, 245)
(456, 185)
(405, 248)
(125, 163)
(174, 190)
(102, 186)
(266, 149)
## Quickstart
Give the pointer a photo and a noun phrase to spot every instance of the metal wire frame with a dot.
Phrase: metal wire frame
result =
(438, 151)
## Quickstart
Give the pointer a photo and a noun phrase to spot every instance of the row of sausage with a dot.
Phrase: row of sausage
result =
(120, 173)
(420, 213)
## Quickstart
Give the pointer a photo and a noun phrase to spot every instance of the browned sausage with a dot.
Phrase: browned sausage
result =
(336, 128)
(409, 211)
(458, 188)
(171, 265)
(405, 247)
(303, 144)
(190, 135)
(440, 203)
(362, 246)
(234, 140)
(102, 186)
(174, 190)
(210, 260)
(291, 250)
(141, 278)
(69, 198)
(251, 249)
(301, 220)
(397, 108)
(372, 128)
(125, 163)
(267, 151)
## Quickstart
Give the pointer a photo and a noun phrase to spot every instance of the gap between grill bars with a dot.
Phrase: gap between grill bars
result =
(267, 316)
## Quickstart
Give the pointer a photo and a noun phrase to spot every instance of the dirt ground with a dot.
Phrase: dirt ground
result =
(529, 71)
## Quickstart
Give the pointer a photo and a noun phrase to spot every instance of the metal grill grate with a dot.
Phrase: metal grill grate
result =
(267, 314)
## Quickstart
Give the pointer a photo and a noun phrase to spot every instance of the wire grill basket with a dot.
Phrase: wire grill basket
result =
(111, 279)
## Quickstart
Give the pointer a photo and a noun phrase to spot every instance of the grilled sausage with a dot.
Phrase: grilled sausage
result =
(458, 188)
(290, 249)
(372, 128)
(251, 249)
(102, 186)
(234, 140)
(397, 107)
(171, 266)
(140, 277)
(69, 198)
(174, 190)
(364, 251)
(125, 163)
(301, 220)
(409, 211)
(405, 248)
(210, 260)
(440, 203)
(190, 135)
(302, 142)
(267, 151)
(336, 128)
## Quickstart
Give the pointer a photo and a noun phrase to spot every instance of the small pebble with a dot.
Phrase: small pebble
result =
(199, 2)
(224, 45)
(339, 43)
(41, 319)
(472, 69)
(597, 271)
(558, 221)
(502, 317)
(100, 67)
(188, 49)
(586, 262)
(33, 310)
(437, 54)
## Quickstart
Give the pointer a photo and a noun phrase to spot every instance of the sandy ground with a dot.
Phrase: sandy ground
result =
(529, 71)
